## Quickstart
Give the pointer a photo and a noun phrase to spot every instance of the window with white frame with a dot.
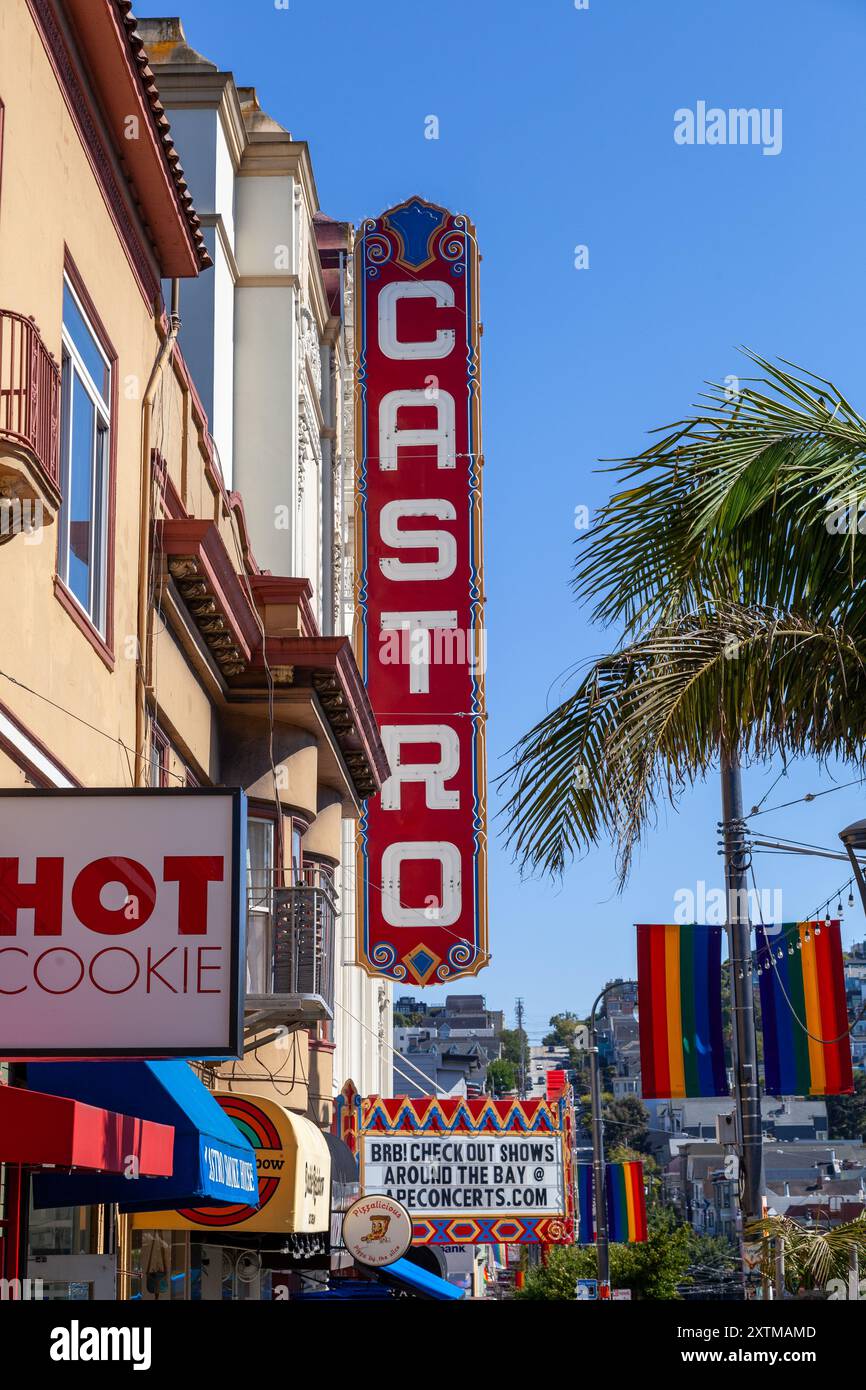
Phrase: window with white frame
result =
(260, 883)
(84, 462)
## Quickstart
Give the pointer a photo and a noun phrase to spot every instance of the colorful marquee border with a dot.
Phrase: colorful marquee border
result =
(357, 1116)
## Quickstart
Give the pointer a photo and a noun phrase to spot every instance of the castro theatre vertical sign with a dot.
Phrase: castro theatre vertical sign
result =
(422, 860)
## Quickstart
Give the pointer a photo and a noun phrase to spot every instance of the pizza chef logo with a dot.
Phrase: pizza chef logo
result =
(377, 1230)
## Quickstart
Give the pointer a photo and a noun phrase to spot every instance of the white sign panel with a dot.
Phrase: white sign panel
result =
(438, 1176)
(121, 923)
(377, 1231)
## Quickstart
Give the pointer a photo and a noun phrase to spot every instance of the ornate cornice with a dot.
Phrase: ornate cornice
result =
(55, 44)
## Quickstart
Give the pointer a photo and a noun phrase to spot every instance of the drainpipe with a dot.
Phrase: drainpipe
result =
(142, 666)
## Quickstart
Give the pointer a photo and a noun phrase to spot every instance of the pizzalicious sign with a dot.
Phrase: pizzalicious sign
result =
(422, 897)
(470, 1171)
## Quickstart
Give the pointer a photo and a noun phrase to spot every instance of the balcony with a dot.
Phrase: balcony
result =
(290, 952)
(29, 428)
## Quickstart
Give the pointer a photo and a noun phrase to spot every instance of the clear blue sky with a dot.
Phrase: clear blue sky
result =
(556, 129)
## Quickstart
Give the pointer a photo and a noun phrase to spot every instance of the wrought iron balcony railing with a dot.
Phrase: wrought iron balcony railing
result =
(29, 414)
(290, 948)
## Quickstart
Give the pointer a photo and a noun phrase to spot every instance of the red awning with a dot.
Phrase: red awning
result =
(51, 1131)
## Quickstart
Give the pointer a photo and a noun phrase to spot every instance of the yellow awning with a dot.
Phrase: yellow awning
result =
(294, 1172)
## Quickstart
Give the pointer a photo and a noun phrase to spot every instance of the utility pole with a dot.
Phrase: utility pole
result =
(521, 1071)
(599, 1189)
(599, 1194)
(747, 1086)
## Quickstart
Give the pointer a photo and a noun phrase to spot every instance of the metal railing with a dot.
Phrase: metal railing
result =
(290, 936)
(29, 391)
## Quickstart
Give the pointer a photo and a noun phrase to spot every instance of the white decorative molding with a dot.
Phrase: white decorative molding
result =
(311, 350)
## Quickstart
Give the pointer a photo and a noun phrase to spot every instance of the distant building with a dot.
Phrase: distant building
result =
(855, 995)
(455, 1040)
(815, 1183)
(789, 1118)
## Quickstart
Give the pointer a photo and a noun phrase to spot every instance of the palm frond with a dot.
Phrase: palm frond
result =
(650, 719)
(739, 525)
(812, 1256)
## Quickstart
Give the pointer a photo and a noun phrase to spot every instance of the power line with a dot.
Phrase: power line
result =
(140, 757)
(810, 796)
(382, 1043)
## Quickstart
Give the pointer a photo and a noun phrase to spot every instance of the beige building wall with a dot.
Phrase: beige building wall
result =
(51, 207)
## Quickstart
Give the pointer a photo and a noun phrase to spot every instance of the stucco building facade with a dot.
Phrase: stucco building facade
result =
(269, 340)
(160, 630)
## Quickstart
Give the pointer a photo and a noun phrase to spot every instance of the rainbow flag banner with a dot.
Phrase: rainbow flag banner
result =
(679, 974)
(585, 1215)
(626, 1203)
(807, 1049)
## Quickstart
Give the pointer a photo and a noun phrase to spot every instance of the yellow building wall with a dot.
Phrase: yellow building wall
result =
(50, 200)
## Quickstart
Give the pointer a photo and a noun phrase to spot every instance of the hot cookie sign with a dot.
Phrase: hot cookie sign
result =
(120, 923)
(422, 845)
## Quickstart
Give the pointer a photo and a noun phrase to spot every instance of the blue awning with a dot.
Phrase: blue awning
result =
(213, 1162)
(418, 1281)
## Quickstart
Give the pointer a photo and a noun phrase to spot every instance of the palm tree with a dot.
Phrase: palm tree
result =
(813, 1257)
(728, 559)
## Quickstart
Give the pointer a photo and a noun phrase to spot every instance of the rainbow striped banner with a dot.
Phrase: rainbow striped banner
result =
(585, 1215)
(626, 1203)
(803, 978)
(679, 973)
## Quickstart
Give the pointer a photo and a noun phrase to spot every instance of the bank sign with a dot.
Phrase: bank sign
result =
(422, 870)
(471, 1172)
(121, 923)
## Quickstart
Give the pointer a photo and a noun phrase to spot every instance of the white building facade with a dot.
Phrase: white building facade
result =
(269, 338)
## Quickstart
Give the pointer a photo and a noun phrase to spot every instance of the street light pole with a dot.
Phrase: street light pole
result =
(747, 1086)
(602, 1247)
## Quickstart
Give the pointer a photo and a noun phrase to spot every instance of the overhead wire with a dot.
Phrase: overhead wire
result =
(825, 1042)
(809, 796)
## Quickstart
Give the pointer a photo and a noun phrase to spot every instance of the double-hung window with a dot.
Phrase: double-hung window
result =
(260, 887)
(84, 462)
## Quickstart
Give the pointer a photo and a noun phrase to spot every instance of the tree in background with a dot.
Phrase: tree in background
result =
(846, 1115)
(661, 1268)
(563, 1028)
(626, 1123)
(563, 1033)
(515, 1046)
(501, 1076)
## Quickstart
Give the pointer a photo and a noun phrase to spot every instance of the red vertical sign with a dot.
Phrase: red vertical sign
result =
(422, 867)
